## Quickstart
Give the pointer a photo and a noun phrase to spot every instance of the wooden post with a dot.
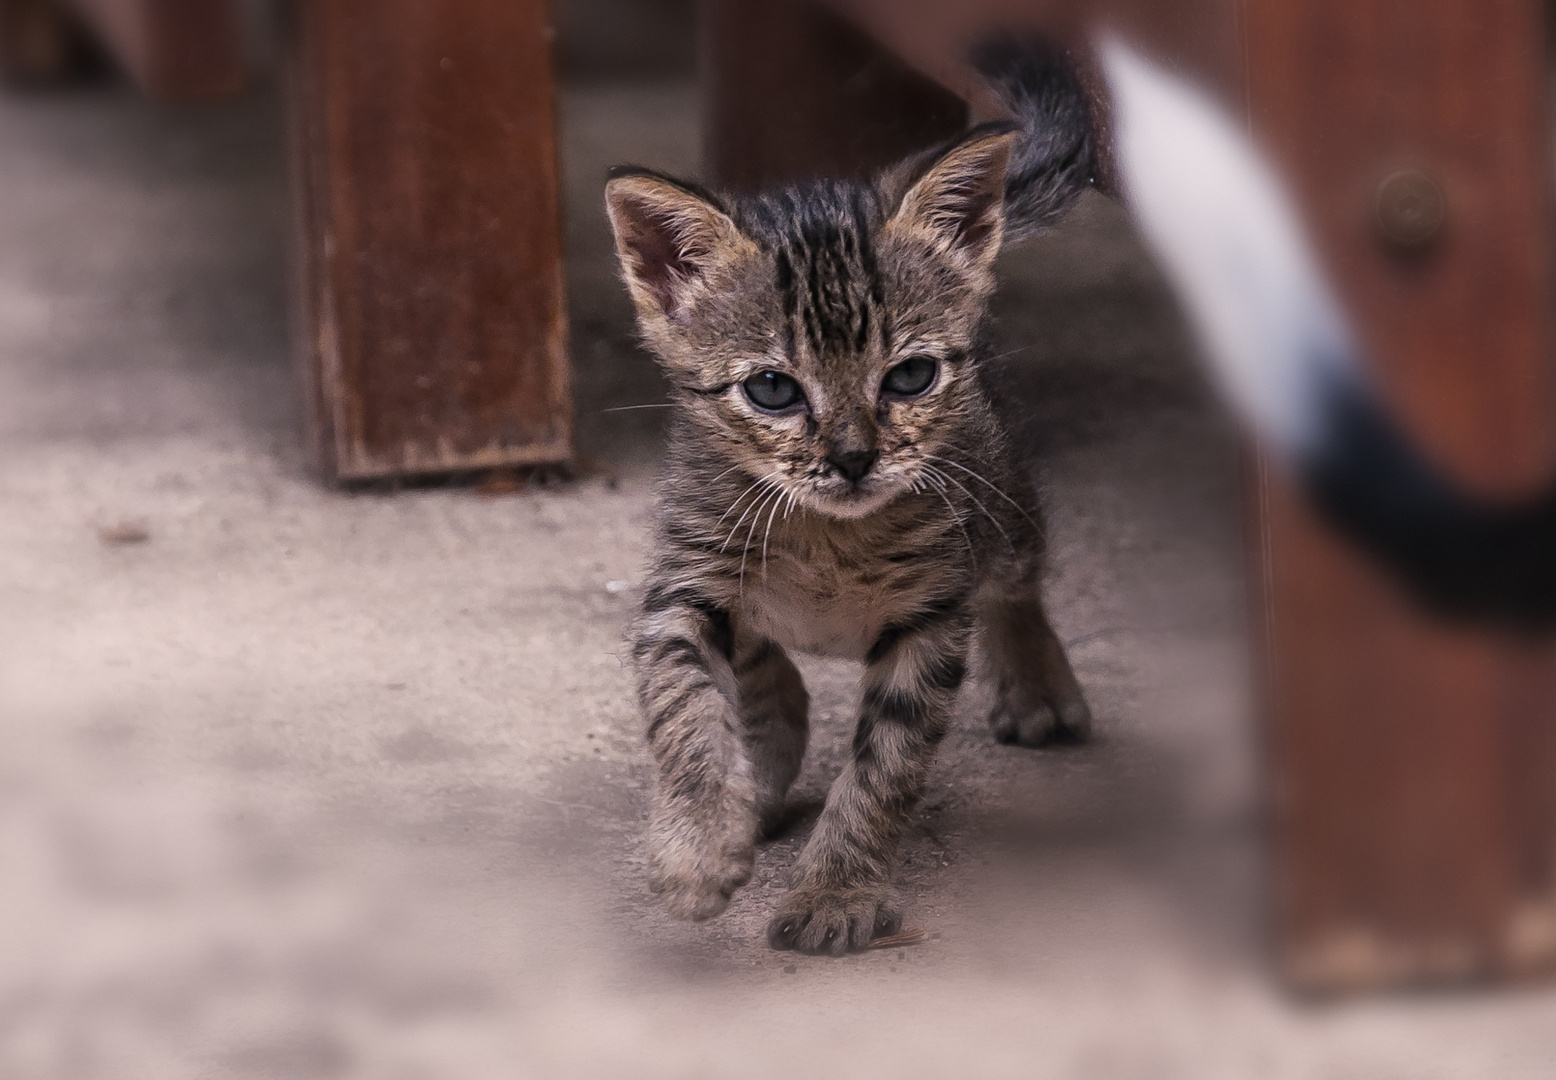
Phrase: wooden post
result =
(792, 92)
(174, 50)
(1414, 764)
(432, 332)
(39, 42)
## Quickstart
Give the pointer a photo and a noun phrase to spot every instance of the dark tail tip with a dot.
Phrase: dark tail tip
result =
(1039, 82)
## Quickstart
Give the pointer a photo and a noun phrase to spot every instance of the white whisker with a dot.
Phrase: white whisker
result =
(745, 550)
(736, 503)
(762, 483)
(992, 486)
(1009, 353)
(957, 519)
(992, 519)
(767, 534)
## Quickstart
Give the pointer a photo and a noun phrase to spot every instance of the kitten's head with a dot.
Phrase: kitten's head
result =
(822, 337)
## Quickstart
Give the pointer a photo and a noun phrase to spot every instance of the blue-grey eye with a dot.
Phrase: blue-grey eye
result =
(911, 377)
(773, 391)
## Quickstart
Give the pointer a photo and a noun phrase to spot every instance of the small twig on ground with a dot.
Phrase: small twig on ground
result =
(907, 937)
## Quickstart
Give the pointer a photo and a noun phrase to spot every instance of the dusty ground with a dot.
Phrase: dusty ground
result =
(301, 783)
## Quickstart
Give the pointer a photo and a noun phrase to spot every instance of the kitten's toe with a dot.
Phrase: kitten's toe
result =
(1074, 719)
(1024, 725)
(824, 923)
(1042, 724)
(784, 930)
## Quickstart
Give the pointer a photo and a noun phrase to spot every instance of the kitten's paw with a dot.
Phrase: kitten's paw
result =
(695, 868)
(831, 922)
(1074, 719)
(1042, 722)
(1025, 725)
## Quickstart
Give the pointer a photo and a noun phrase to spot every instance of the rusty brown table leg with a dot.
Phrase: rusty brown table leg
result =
(1415, 764)
(174, 50)
(432, 334)
(40, 42)
(791, 92)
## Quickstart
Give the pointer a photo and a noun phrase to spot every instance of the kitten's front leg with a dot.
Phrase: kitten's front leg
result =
(703, 824)
(842, 893)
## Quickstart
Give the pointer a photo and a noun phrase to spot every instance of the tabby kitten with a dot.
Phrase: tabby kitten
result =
(837, 483)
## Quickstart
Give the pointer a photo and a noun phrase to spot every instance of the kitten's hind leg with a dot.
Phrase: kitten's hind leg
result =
(774, 724)
(1037, 699)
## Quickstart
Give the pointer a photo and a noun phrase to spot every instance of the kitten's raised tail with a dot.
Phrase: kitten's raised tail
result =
(1056, 158)
(1276, 337)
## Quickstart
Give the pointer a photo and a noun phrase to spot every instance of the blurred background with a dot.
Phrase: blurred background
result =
(326, 465)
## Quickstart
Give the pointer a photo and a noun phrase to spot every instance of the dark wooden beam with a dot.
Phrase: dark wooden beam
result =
(432, 334)
(1413, 763)
(40, 42)
(173, 50)
(791, 91)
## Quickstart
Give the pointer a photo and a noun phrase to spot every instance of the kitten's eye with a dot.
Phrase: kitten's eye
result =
(773, 391)
(911, 377)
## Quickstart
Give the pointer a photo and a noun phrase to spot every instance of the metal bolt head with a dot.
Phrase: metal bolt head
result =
(1410, 210)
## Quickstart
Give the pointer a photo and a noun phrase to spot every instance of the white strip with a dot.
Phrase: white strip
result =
(1226, 233)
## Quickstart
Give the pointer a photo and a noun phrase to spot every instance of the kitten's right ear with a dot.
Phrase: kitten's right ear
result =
(671, 238)
(957, 201)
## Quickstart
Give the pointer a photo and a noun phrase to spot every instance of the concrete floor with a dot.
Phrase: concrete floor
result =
(301, 783)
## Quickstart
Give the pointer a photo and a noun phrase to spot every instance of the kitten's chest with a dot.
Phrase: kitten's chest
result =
(830, 600)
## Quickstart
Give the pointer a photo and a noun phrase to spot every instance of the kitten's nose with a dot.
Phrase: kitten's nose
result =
(853, 465)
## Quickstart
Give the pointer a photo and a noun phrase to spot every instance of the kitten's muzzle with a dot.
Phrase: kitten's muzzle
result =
(854, 465)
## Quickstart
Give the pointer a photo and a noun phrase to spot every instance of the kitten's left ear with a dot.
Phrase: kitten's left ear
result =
(958, 202)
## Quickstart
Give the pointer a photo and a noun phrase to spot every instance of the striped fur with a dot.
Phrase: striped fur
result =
(766, 542)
